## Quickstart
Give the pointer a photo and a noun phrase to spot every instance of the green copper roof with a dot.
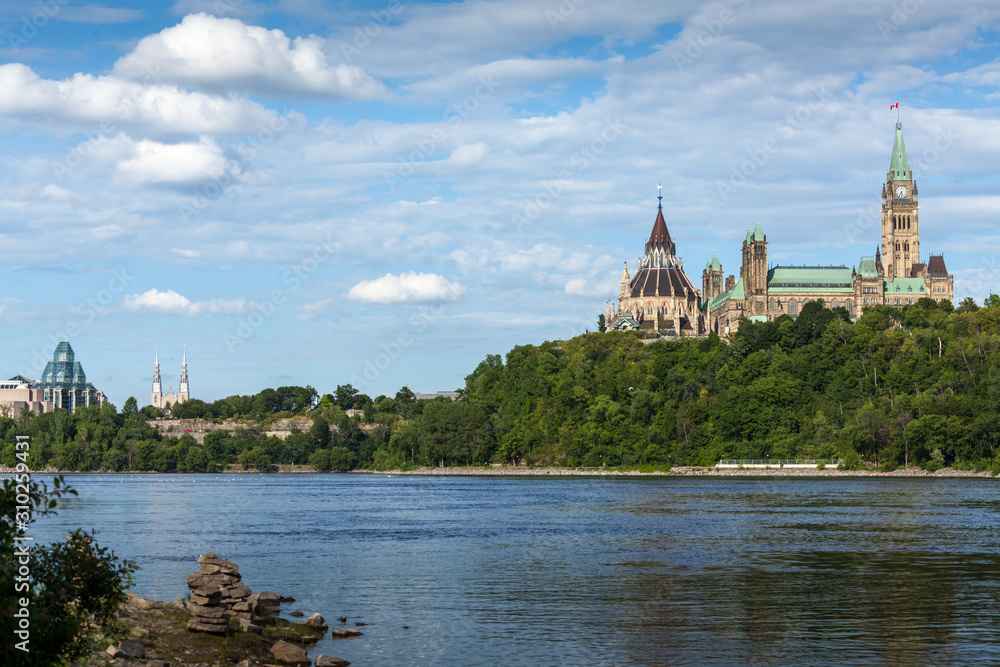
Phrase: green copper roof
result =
(735, 293)
(758, 233)
(808, 276)
(749, 237)
(757, 318)
(905, 287)
(900, 167)
(715, 263)
(867, 269)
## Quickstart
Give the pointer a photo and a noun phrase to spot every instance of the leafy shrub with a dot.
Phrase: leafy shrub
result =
(850, 461)
(74, 588)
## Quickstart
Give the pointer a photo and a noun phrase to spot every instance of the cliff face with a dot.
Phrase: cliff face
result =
(198, 428)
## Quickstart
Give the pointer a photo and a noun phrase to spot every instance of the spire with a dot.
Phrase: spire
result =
(157, 387)
(183, 388)
(659, 194)
(878, 260)
(899, 168)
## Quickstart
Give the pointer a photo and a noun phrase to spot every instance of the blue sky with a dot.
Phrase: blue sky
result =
(383, 193)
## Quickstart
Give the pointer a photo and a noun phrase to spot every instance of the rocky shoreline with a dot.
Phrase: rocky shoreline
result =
(221, 623)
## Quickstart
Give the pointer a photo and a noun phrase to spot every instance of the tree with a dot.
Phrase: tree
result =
(73, 590)
(320, 432)
(344, 396)
(602, 326)
(968, 305)
(131, 407)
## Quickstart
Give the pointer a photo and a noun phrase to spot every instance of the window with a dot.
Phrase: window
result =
(774, 304)
(833, 303)
(793, 308)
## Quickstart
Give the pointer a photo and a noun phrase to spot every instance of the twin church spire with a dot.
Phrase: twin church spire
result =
(163, 401)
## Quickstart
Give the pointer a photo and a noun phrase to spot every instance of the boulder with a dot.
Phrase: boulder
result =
(247, 626)
(210, 628)
(133, 648)
(115, 652)
(339, 633)
(196, 580)
(297, 613)
(330, 661)
(138, 602)
(240, 591)
(315, 621)
(290, 654)
(210, 593)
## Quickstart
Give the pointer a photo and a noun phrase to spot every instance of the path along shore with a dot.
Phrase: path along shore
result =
(524, 471)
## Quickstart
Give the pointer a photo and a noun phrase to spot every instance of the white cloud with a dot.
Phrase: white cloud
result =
(227, 54)
(112, 103)
(153, 162)
(170, 302)
(410, 286)
(468, 155)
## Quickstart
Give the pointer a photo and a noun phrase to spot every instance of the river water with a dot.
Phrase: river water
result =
(584, 571)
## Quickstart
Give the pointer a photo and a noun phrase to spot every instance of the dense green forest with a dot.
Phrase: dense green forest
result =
(912, 385)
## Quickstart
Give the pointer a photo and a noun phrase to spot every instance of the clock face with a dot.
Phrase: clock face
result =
(900, 191)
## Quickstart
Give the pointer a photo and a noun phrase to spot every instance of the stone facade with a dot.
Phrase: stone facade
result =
(893, 276)
(659, 296)
(163, 401)
(19, 393)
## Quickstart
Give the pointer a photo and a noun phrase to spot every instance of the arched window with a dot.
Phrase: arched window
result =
(833, 303)
(849, 306)
(893, 222)
(793, 308)
(773, 304)
(649, 309)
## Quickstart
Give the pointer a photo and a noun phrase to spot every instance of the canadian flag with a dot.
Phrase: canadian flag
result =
(894, 106)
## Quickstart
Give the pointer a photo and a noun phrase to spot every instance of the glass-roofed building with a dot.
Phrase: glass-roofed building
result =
(765, 292)
(65, 384)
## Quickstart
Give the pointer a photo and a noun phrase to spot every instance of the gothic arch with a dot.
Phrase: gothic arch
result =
(793, 308)
(833, 303)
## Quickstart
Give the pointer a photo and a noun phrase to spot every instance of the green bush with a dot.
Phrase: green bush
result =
(888, 466)
(850, 461)
(821, 465)
(74, 588)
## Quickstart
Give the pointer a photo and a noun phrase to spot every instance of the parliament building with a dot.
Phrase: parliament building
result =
(894, 276)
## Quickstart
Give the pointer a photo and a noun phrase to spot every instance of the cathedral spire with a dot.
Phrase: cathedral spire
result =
(183, 388)
(157, 387)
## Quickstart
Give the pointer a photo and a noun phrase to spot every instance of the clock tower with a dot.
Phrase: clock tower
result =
(900, 217)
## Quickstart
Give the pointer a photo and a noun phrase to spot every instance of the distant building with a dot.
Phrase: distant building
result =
(164, 401)
(659, 295)
(894, 276)
(64, 383)
(19, 393)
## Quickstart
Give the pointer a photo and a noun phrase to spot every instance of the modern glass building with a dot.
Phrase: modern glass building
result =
(65, 383)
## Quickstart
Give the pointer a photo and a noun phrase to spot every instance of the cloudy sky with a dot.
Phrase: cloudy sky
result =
(384, 192)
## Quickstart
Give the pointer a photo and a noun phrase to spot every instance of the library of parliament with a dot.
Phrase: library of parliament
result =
(660, 295)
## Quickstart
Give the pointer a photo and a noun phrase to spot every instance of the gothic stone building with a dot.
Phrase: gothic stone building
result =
(659, 295)
(894, 276)
(163, 401)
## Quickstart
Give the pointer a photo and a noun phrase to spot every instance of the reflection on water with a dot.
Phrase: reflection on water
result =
(586, 570)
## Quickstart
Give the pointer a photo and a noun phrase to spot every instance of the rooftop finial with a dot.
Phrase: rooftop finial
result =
(659, 194)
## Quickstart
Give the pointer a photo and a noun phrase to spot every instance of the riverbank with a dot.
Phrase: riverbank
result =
(687, 470)
(525, 471)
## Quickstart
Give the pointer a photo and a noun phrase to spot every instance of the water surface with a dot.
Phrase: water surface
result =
(596, 571)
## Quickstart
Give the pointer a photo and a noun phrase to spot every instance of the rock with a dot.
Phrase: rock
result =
(330, 661)
(338, 633)
(206, 612)
(290, 654)
(178, 603)
(287, 598)
(139, 603)
(236, 592)
(212, 628)
(157, 663)
(244, 606)
(210, 593)
(297, 613)
(359, 624)
(115, 652)
(315, 621)
(342, 619)
(204, 601)
(133, 648)
(247, 663)
(247, 626)
(196, 580)
(269, 598)
(140, 632)
(406, 627)
(203, 558)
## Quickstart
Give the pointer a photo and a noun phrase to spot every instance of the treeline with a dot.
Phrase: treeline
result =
(901, 386)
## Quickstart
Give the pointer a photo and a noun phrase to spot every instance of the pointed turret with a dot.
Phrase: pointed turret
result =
(878, 260)
(157, 392)
(183, 388)
(899, 168)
